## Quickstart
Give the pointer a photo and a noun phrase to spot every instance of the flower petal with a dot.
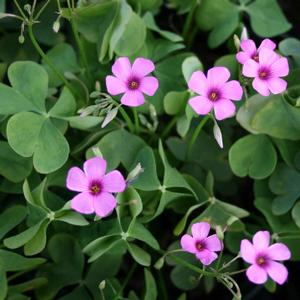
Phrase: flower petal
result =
(277, 271)
(113, 182)
(257, 274)
(250, 68)
(142, 67)
(276, 85)
(114, 85)
(149, 85)
(267, 57)
(248, 252)
(261, 240)
(224, 109)
(104, 204)
(217, 76)
(133, 98)
(280, 67)
(76, 180)
(188, 243)
(198, 83)
(122, 68)
(261, 86)
(200, 230)
(232, 90)
(206, 256)
(267, 43)
(213, 243)
(279, 251)
(95, 168)
(242, 57)
(248, 46)
(201, 105)
(83, 203)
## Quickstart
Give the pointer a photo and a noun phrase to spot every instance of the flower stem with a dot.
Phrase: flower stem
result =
(20, 10)
(46, 59)
(196, 133)
(136, 121)
(169, 127)
(229, 263)
(79, 45)
(129, 275)
(189, 21)
(127, 119)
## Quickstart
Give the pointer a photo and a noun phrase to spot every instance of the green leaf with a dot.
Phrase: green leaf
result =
(175, 102)
(229, 61)
(84, 123)
(11, 261)
(100, 246)
(266, 18)
(139, 255)
(10, 218)
(22, 238)
(140, 232)
(29, 285)
(285, 184)
(65, 105)
(12, 166)
(148, 179)
(290, 47)
(129, 33)
(223, 30)
(31, 80)
(63, 57)
(31, 134)
(3, 284)
(150, 23)
(210, 13)
(119, 139)
(66, 269)
(151, 288)
(253, 155)
(13, 101)
(71, 217)
(130, 198)
(296, 213)
(189, 66)
(263, 114)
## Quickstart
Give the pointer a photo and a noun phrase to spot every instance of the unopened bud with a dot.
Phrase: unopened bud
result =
(244, 34)
(102, 285)
(56, 26)
(97, 152)
(237, 42)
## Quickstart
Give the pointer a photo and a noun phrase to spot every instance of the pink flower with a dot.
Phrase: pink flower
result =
(263, 258)
(250, 51)
(132, 80)
(267, 71)
(200, 244)
(215, 92)
(95, 187)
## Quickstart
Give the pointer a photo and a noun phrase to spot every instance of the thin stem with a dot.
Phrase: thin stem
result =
(219, 259)
(237, 272)
(136, 120)
(169, 127)
(79, 44)
(41, 10)
(45, 57)
(189, 21)
(102, 294)
(20, 9)
(127, 119)
(229, 263)
(129, 275)
(164, 293)
(196, 133)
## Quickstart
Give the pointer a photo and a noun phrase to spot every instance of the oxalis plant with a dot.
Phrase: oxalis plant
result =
(128, 170)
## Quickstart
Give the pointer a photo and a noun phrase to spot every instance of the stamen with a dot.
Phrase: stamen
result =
(255, 57)
(213, 96)
(133, 85)
(261, 260)
(95, 189)
(199, 246)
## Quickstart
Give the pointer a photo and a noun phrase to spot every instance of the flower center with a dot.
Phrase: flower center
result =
(95, 188)
(263, 74)
(213, 96)
(255, 57)
(199, 246)
(261, 260)
(133, 84)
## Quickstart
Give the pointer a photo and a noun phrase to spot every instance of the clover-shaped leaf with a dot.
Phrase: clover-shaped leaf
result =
(31, 131)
